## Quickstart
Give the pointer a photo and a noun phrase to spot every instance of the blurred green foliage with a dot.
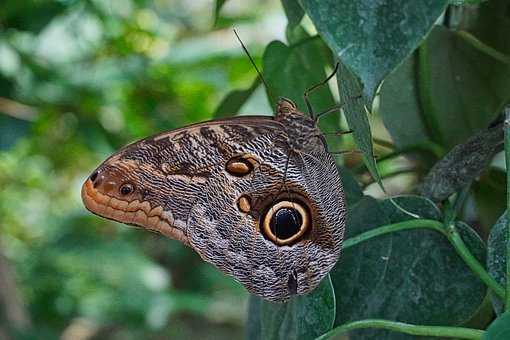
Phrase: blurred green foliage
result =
(91, 77)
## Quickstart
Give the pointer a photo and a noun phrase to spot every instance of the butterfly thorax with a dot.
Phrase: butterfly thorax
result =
(303, 133)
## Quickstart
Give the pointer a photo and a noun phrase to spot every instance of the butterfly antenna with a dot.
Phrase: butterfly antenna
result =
(255, 66)
(316, 86)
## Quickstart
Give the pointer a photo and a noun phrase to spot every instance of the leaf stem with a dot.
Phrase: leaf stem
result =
(481, 46)
(507, 160)
(463, 251)
(439, 331)
(451, 233)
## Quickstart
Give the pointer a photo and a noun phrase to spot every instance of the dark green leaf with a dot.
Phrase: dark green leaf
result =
(293, 11)
(496, 256)
(400, 107)
(490, 197)
(462, 164)
(290, 70)
(434, 114)
(482, 20)
(354, 104)
(411, 276)
(373, 37)
(30, 15)
(352, 189)
(303, 317)
(499, 328)
(253, 324)
(232, 103)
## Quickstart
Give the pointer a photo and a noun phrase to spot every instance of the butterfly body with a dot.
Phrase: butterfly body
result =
(258, 197)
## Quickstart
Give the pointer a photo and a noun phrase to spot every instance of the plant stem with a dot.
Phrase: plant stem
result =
(451, 233)
(439, 331)
(463, 251)
(391, 228)
(479, 45)
(507, 160)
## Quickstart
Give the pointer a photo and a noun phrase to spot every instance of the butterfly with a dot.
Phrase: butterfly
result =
(258, 197)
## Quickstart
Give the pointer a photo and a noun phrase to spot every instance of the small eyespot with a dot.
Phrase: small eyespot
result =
(285, 222)
(126, 189)
(240, 166)
(244, 204)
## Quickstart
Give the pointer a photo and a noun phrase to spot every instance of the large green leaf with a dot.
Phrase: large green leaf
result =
(455, 99)
(352, 189)
(290, 70)
(411, 276)
(303, 317)
(499, 329)
(496, 256)
(400, 107)
(373, 37)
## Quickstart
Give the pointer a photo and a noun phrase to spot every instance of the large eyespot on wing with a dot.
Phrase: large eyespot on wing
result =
(234, 224)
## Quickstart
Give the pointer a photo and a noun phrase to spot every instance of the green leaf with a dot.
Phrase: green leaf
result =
(232, 103)
(496, 257)
(490, 198)
(499, 328)
(352, 189)
(354, 109)
(290, 70)
(30, 15)
(412, 276)
(303, 317)
(433, 114)
(293, 11)
(400, 107)
(462, 164)
(373, 37)
(253, 322)
(482, 20)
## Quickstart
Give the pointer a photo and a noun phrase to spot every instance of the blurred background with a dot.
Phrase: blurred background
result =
(79, 79)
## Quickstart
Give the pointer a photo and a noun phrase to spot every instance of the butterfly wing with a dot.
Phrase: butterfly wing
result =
(212, 184)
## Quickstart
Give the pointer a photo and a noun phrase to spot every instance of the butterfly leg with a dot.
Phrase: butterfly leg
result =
(316, 86)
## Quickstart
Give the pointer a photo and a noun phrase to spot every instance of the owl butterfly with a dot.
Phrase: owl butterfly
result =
(258, 197)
